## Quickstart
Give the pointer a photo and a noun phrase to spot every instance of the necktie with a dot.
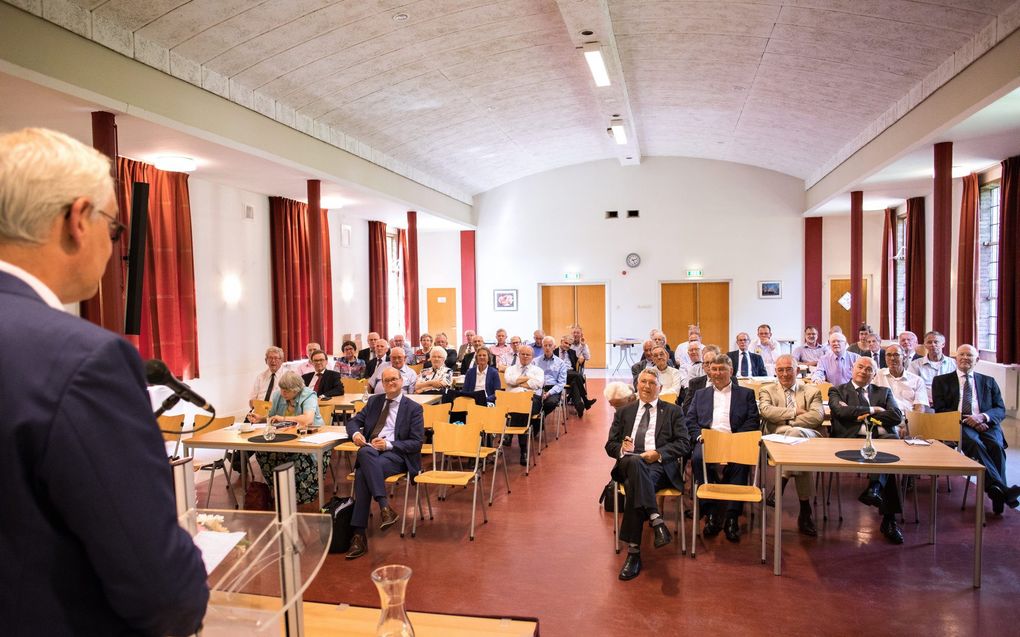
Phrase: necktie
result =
(514, 361)
(642, 429)
(269, 390)
(315, 383)
(743, 364)
(967, 407)
(862, 395)
(381, 422)
(789, 399)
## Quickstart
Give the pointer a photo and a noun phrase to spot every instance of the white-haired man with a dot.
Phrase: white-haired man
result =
(837, 365)
(265, 382)
(908, 388)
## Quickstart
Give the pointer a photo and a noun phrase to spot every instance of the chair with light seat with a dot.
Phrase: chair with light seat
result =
(518, 403)
(354, 386)
(208, 424)
(719, 447)
(172, 441)
(449, 439)
(944, 427)
(668, 492)
(493, 422)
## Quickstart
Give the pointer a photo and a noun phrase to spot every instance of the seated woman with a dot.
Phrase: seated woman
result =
(436, 378)
(482, 380)
(421, 354)
(297, 403)
(349, 365)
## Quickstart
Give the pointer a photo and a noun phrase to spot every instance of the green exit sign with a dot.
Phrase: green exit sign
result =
(694, 274)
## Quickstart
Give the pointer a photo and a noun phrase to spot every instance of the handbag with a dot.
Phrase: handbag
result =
(606, 499)
(258, 498)
(341, 510)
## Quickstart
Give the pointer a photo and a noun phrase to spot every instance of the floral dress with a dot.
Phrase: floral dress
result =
(305, 474)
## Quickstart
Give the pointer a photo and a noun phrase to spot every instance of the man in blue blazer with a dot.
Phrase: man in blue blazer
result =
(981, 411)
(726, 406)
(89, 537)
(483, 365)
(746, 363)
(389, 433)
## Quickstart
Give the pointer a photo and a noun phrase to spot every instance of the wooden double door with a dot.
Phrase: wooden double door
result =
(566, 305)
(702, 303)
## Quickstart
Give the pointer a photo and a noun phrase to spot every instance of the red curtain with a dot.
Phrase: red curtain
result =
(1007, 342)
(915, 266)
(888, 252)
(377, 269)
(966, 281)
(168, 327)
(406, 277)
(290, 243)
(411, 278)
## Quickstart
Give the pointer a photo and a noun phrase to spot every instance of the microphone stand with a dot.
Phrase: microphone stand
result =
(168, 404)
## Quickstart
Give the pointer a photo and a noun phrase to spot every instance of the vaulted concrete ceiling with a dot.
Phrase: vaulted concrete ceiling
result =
(464, 95)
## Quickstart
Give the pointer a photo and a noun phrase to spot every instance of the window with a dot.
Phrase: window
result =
(395, 286)
(900, 275)
(988, 266)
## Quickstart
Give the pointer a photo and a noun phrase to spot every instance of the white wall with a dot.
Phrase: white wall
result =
(735, 222)
(836, 264)
(350, 277)
(439, 267)
(231, 338)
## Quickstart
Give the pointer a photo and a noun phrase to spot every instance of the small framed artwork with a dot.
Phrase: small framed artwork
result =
(504, 300)
(770, 289)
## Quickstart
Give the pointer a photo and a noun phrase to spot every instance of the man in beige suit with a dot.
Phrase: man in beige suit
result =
(793, 408)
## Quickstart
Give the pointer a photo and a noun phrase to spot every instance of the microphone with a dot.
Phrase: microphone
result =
(157, 373)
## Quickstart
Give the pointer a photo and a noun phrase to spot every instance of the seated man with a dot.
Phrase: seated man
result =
(766, 347)
(724, 406)
(510, 358)
(368, 353)
(746, 363)
(398, 341)
(389, 433)
(977, 398)
(380, 356)
(467, 346)
(500, 349)
(482, 380)
(644, 362)
(836, 366)
(647, 439)
(908, 343)
(468, 360)
(536, 345)
(682, 356)
(555, 371)
(525, 376)
(326, 383)
(266, 381)
(670, 378)
(692, 367)
(808, 352)
(398, 362)
(934, 363)
(908, 389)
(792, 408)
(577, 386)
(451, 354)
(305, 366)
(580, 347)
(861, 345)
(850, 404)
(659, 340)
(873, 349)
(695, 383)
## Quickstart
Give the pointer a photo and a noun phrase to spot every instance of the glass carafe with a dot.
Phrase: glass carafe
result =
(868, 451)
(392, 584)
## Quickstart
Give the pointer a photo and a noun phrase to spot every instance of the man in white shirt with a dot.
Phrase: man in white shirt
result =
(670, 378)
(681, 355)
(305, 366)
(693, 367)
(580, 346)
(907, 388)
(767, 348)
(525, 376)
(908, 343)
(398, 341)
(934, 363)
(510, 358)
(265, 383)
(397, 359)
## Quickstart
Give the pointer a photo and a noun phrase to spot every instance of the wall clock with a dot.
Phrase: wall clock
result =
(633, 260)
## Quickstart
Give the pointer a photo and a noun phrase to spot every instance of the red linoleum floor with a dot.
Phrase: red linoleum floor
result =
(547, 552)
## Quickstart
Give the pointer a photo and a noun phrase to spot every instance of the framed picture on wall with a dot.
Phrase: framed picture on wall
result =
(770, 289)
(504, 300)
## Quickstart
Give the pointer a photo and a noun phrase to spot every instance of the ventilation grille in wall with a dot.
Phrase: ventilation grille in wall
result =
(633, 214)
(612, 214)
(249, 211)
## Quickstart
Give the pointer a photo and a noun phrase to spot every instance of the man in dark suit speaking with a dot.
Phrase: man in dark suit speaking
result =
(389, 433)
(647, 439)
(89, 537)
(324, 382)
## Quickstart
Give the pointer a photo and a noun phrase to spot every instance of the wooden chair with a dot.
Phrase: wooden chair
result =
(824, 388)
(668, 492)
(721, 447)
(221, 464)
(493, 423)
(449, 439)
(945, 427)
(172, 423)
(359, 405)
(461, 403)
(354, 386)
(517, 403)
(392, 482)
(261, 408)
(326, 411)
(669, 397)
(417, 368)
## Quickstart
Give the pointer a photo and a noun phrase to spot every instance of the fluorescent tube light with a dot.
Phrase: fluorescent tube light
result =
(593, 56)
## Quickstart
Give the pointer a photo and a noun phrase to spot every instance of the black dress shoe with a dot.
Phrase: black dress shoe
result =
(998, 506)
(806, 525)
(631, 567)
(389, 518)
(359, 546)
(871, 496)
(712, 526)
(891, 530)
(1012, 498)
(580, 412)
(588, 403)
(524, 461)
(998, 498)
(662, 535)
(732, 529)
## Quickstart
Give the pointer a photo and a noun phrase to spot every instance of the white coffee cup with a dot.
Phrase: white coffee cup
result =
(247, 427)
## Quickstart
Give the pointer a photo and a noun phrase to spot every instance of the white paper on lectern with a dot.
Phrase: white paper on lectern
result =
(216, 546)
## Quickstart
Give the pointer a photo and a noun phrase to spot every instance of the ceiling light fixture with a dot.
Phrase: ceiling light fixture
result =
(960, 171)
(593, 56)
(176, 163)
(619, 133)
(400, 17)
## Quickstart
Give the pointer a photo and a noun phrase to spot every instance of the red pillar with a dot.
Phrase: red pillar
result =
(813, 273)
(856, 260)
(106, 308)
(317, 324)
(469, 302)
(942, 228)
(413, 310)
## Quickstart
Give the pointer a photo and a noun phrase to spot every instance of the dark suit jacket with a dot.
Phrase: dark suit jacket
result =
(365, 354)
(743, 410)
(671, 439)
(451, 358)
(880, 360)
(410, 428)
(757, 363)
(696, 383)
(945, 396)
(372, 364)
(571, 354)
(845, 407)
(331, 384)
(467, 362)
(91, 542)
(491, 382)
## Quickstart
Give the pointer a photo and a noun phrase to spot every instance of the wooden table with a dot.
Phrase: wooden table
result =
(231, 438)
(818, 454)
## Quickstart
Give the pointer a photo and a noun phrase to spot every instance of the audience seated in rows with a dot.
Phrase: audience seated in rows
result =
(525, 376)
(767, 348)
(810, 350)
(907, 388)
(369, 352)
(935, 362)
(325, 383)
(350, 365)
(837, 365)
(380, 356)
(746, 363)
(481, 380)
(437, 378)
(397, 361)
